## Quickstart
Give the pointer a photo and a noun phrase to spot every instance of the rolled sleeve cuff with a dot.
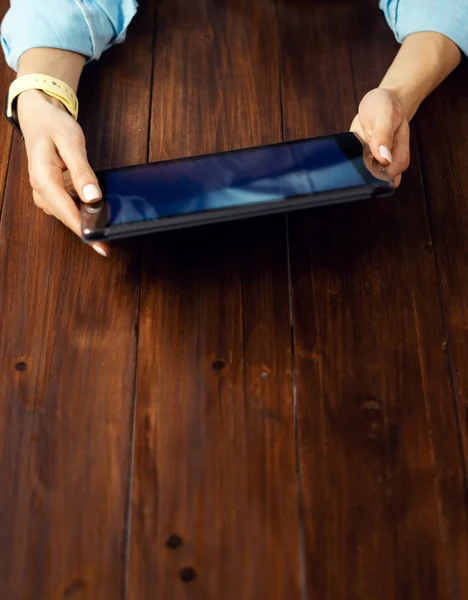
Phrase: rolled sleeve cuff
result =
(82, 27)
(406, 17)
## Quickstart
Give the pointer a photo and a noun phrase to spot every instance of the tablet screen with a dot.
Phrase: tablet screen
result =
(231, 179)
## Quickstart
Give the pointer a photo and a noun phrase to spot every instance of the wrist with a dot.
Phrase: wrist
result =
(32, 103)
(31, 99)
(38, 94)
(407, 98)
(425, 59)
(62, 64)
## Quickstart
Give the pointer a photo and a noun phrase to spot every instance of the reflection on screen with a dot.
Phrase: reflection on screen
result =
(225, 181)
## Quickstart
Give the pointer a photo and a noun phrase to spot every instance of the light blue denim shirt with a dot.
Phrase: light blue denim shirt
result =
(89, 27)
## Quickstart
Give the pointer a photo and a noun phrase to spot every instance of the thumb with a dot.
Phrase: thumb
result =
(382, 135)
(83, 177)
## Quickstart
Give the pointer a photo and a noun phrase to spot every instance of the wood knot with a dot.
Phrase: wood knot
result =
(174, 541)
(188, 574)
(218, 365)
(369, 405)
(74, 590)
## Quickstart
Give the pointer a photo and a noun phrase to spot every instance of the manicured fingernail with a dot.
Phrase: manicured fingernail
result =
(385, 153)
(90, 192)
(99, 250)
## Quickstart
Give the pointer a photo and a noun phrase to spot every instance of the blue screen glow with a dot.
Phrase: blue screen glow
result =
(267, 174)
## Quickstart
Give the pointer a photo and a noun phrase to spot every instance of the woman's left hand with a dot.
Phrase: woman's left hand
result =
(381, 122)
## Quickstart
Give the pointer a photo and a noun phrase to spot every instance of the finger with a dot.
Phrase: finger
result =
(401, 151)
(54, 201)
(69, 187)
(50, 194)
(380, 123)
(382, 139)
(39, 202)
(47, 182)
(68, 213)
(73, 153)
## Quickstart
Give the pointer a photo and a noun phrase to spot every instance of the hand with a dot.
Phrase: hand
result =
(383, 125)
(56, 150)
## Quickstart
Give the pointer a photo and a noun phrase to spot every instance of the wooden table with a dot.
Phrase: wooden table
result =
(269, 409)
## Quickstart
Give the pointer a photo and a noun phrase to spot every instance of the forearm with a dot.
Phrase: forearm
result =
(66, 66)
(425, 59)
(62, 64)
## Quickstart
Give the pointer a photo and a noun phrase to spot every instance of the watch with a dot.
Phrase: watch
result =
(49, 85)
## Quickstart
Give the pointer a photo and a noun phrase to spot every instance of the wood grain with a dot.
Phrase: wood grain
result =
(6, 131)
(442, 126)
(383, 496)
(215, 497)
(327, 464)
(67, 365)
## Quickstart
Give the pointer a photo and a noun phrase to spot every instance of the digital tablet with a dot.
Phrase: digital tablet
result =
(232, 185)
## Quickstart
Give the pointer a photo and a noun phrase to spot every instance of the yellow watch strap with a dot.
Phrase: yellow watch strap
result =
(49, 85)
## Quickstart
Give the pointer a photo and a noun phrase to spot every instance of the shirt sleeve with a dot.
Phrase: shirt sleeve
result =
(87, 27)
(449, 17)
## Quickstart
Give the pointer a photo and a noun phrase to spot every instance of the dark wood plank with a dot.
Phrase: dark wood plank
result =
(442, 127)
(442, 131)
(6, 132)
(214, 452)
(437, 420)
(67, 364)
(381, 470)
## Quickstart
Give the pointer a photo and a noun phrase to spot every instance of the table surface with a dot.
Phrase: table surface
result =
(268, 409)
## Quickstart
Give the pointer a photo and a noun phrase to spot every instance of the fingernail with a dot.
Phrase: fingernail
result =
(90, 192)
(385, 153)
(99, 250)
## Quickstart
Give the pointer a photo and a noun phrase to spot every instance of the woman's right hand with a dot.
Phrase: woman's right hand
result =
(56, 150)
